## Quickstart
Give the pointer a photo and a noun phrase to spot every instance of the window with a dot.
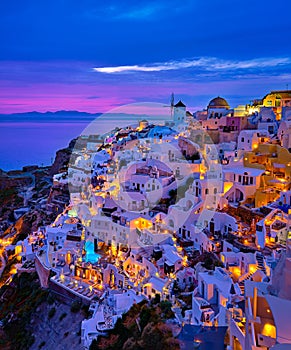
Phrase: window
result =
(242, 139)
(215, 191)
(206, 191)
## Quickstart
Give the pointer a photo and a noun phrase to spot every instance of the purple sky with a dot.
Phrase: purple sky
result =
(42, 86)
(141, 52)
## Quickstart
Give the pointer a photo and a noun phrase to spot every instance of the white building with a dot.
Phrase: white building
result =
(249, 140)
(179, 113)
(284, 133)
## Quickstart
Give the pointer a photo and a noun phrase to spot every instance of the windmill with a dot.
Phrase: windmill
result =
(172, 103)
(172, 99)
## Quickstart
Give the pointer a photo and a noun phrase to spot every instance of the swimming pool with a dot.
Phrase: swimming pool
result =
(91, 256)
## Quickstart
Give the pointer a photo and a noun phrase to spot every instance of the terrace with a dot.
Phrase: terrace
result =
(81, 288)
(151, 237)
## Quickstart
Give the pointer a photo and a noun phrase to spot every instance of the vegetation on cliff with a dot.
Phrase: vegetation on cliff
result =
(142, 327)
(19, 300)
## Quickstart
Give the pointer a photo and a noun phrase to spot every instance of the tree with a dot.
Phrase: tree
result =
(166, 308)
(157, 337)
(173, 193)
(151, 338)
(130, 344)
(94, 345)
(145, 316)
(157, 299)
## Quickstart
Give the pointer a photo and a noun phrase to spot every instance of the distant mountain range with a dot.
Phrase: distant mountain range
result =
(46, 116)
(67, 116)
(49, 113)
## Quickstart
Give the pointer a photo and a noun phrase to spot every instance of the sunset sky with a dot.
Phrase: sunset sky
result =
(93, 56)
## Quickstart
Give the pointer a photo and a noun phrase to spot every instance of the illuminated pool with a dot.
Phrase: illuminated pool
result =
(91, 256)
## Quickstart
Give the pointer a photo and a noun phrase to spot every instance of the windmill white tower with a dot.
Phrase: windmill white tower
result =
(179, 116)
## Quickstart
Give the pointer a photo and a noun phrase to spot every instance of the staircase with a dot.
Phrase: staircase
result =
(261, 262)
(241, 283)
(242, 287)
(178, 313)
(125, 282)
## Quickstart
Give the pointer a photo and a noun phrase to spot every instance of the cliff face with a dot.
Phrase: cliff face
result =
(7, 182)
(27, 223)
(62, 159)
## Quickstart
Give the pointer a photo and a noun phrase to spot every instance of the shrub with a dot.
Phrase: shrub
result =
(63, 315)
(42, 344)
(157, 299)
(166, 308)
(85, 310)
(50, 299)
(52, 312)
(76, 306)
(94, 345)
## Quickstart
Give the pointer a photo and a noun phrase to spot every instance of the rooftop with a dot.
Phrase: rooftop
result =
(180, 104)
(218, 102)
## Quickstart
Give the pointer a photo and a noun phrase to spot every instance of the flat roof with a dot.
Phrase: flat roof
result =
(240, 170)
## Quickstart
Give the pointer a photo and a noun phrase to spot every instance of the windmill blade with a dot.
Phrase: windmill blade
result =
(172, 100)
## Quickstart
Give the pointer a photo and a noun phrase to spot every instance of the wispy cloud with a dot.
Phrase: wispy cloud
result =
(119, 12)
(144, 12)
(207, 63)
